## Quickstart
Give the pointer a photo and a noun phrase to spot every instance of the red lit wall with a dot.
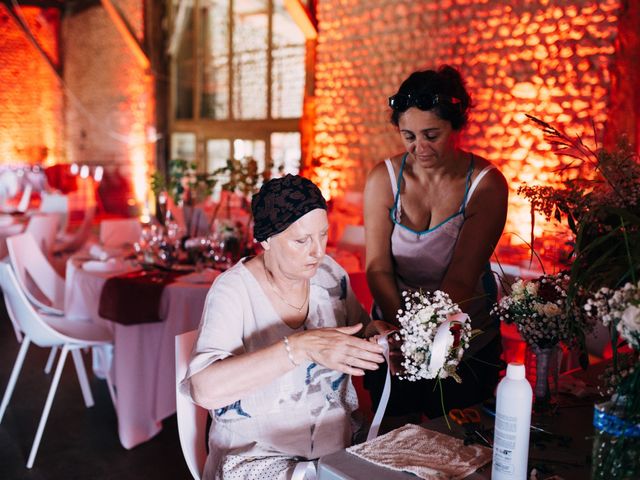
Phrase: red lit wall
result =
(555, 60)
(112, 113)
(31, 103)
(102, 110)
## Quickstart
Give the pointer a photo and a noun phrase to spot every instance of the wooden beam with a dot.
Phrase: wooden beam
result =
(34, 41)
(302, 18)
(127, 33)
(59, 4)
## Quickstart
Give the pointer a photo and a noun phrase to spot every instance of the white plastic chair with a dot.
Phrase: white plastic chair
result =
(56, 203)
(353, 240)
(23, 204)
(44, 228)
(40, 282)
(73, 241)
(192, 419)
(118, 232)
(49, 331)
(14, 324)
(43, 286)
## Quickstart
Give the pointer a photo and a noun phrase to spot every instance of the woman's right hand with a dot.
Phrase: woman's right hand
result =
(337, 349)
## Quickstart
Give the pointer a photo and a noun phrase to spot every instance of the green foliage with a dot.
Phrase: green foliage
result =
(243, 176)
(601, 206)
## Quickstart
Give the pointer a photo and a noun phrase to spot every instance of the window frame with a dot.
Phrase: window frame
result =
(230, 129)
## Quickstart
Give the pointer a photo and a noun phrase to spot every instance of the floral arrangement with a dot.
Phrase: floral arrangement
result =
(420, 319)
(619, 309)
(183, 182)
(542, 311)
(601, 205)
(600, 201)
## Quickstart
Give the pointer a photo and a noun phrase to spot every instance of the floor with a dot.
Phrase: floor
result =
(78, 442)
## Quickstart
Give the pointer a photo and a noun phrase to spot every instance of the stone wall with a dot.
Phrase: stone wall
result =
(548, 59)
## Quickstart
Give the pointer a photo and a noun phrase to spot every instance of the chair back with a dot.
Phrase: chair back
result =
(31, 324)
(192, 419)
(43, 286)
(120, 231)
(74, 241)
(44, 227)
(56, 203)
(23, 204)
(352, 235)
(353, 240)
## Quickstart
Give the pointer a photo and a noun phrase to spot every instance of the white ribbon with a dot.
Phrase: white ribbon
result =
(439, 347)
(304, 471)
(438, 357)
(386, 391)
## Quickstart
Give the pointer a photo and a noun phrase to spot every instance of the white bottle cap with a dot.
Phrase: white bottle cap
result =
(515, 371)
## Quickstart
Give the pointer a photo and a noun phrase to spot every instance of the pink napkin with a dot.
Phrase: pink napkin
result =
(429, 455)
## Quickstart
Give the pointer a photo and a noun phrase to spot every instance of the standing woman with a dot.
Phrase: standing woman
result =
(276, 345)
(433, 216)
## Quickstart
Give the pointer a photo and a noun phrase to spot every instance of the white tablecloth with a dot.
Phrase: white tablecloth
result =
(143, 366)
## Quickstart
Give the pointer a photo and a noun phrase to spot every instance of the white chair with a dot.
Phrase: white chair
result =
(23, 204)
(73, 241)
(118, 232)
(44, 228)
(353, 240)
(56, 203)
(14, 324)
(43, 286)
(49, 331)
(192, 419)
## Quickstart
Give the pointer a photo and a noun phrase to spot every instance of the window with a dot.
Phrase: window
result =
(238, 77)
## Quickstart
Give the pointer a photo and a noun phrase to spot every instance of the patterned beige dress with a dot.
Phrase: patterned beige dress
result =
(302, 415)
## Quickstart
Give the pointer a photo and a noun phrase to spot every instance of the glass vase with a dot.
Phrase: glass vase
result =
(543, 372)
(616, 445)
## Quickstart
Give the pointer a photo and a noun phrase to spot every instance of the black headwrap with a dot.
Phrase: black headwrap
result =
(282, 201)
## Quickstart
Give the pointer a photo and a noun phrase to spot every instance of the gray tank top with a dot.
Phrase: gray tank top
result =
(421, 258)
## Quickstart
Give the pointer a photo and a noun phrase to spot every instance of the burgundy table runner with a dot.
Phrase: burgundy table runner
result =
(134, 297)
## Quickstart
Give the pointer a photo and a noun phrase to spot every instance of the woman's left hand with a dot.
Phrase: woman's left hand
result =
(393, 340)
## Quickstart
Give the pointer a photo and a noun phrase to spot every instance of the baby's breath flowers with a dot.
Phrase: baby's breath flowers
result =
(541, 311)
(423, 313)
(618, 308)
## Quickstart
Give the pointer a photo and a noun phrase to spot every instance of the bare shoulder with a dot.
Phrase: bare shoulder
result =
(378, 186)
(493, 181)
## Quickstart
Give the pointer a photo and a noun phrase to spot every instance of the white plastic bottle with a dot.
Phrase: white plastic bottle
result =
(513, 420)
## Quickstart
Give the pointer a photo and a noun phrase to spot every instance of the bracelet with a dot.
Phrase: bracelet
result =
(287, 347)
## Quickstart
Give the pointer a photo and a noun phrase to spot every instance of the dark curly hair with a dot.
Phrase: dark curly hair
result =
(445, 83)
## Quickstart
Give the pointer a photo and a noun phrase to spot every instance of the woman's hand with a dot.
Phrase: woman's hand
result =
(337, 348)
(393, 340)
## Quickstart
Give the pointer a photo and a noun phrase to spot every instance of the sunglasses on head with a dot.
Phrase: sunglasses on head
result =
(403, 101)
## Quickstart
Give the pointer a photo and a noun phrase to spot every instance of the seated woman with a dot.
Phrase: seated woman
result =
(433, 215)
(276, 344)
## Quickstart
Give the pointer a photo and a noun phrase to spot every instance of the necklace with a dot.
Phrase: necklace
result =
(269, 276)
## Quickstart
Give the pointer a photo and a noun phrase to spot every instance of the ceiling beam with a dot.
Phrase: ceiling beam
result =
(127, 32)
(59, 4)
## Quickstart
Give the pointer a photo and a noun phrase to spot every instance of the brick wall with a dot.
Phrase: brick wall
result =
(548, 59)
(97, 114)
(31, 104)
(110, 104)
